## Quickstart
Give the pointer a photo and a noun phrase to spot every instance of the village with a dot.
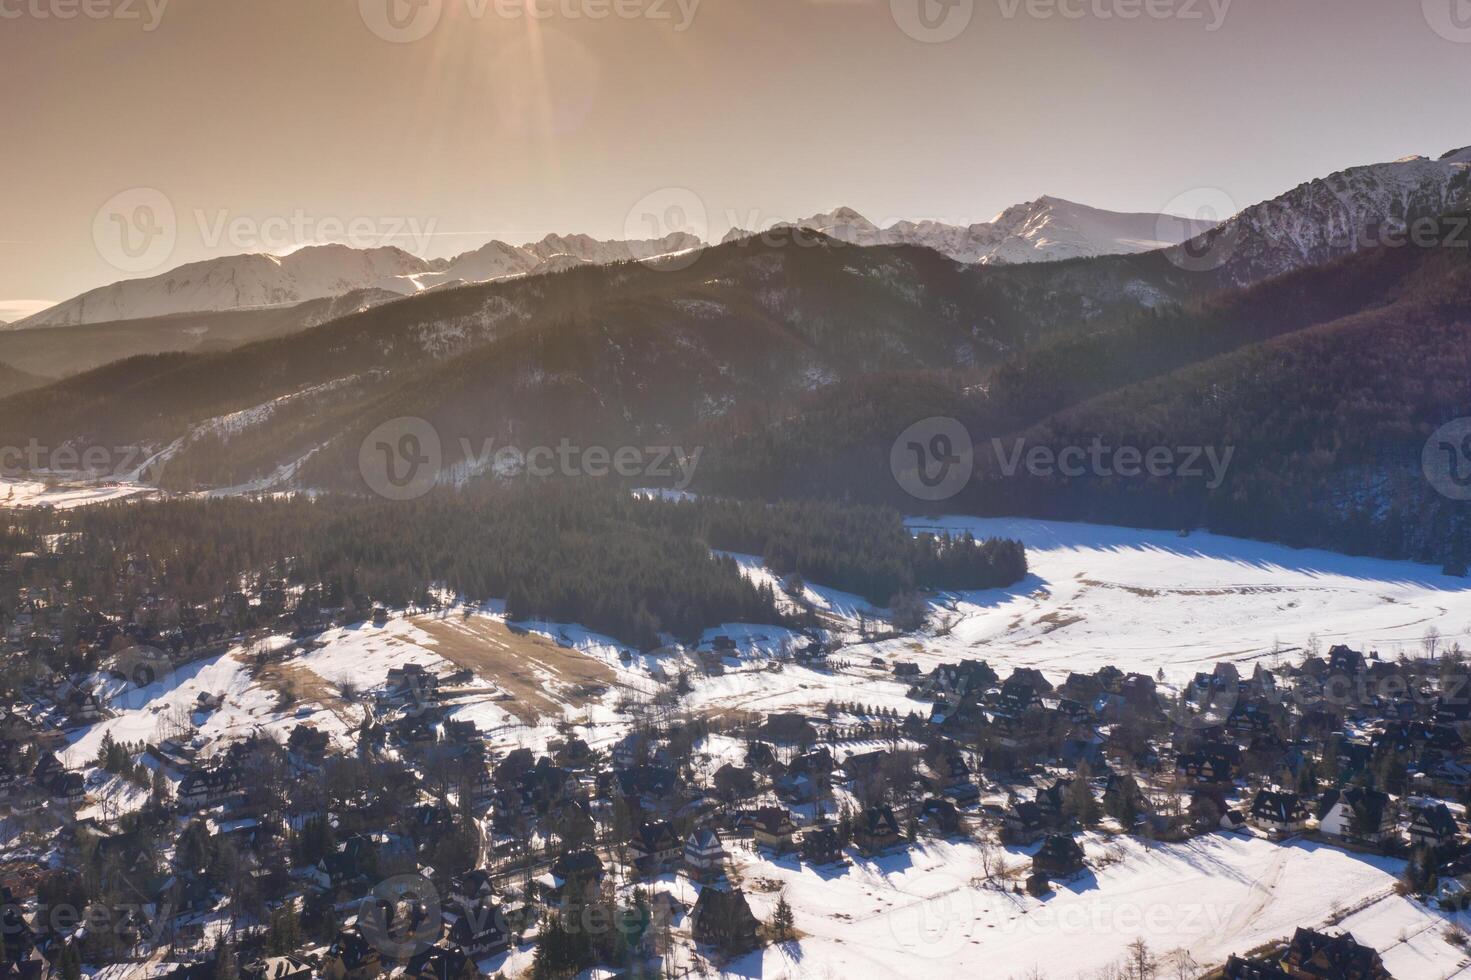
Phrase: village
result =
(197, 792)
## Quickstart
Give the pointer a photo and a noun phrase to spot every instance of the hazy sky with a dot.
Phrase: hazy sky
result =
(258, 123)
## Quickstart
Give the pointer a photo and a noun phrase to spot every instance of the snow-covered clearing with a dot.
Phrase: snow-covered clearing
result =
(923, 911)
(1146, 600)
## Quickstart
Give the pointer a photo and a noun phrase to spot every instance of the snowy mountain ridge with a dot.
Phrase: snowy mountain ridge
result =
(1048, 229)
(255, 280)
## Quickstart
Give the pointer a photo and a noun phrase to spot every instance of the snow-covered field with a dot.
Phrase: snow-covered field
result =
(1146, 600)
(923, 911)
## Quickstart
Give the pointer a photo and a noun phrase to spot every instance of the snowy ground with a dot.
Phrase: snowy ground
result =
(922, 911)
(1145, 600)
(1140, 600)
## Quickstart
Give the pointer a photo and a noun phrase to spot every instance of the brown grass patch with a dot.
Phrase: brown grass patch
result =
(536, 672)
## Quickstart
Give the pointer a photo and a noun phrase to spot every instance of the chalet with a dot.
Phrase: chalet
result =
(1058, 857)
(1278, 812)
(654, 847)
(734, 782)
(704, 855)
(479, 927)
(760, 756)
(789, 728)
(906, 670)
(631, 750)
(1316, 954)
(876, 829)
(1050, 801)
(1023, 823)
(1342, 660)
(818, 762)
(959, 683)
(413, 681)
(1356, 814)
(1031, 677)
(649, 784)
(577, 869)
(307, 742)
(441, 962)
(822, 845)
(795, 788)
(1432, 825)
(573, 822)
(351, 957)
(205, 788)
(942, 815)
(724, 920)
(1200, 769)
(774, 828)
(470, 888)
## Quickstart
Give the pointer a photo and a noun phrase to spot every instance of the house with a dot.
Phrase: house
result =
(1203, 770)
(704, 855)
(1278, 812)
(351, 957)
(441, 962)
(654, 847)
(1356, 814)
(1058, 857)
(774, 828)
(734, 782)
(1316, 954)
(822, 845)
(942, 815)
(723, 919)
(479, 928)
(876, 829)
(1432, 825)
(1023, 823)
(204, 788)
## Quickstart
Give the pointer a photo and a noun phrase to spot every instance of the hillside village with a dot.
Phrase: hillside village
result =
(377, 829)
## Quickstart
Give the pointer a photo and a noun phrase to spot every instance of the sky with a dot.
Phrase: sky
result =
(211, 127)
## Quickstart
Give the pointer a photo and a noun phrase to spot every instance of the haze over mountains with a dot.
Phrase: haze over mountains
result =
(796, 356)
(1048, 229)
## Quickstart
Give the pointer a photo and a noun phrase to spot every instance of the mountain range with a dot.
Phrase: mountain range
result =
(1301, 331)
(1044, 230)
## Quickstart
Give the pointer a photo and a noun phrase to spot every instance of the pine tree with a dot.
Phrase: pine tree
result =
(783, 924)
